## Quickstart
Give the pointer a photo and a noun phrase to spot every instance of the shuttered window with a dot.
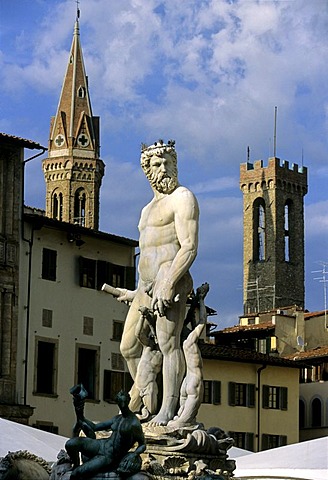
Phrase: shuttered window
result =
(241, 394)
(212, 392)
(275, 397)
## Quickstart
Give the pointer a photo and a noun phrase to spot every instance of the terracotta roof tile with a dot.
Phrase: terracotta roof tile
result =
(246, 328)
(216, 352)
(309, 315)
(318, 352)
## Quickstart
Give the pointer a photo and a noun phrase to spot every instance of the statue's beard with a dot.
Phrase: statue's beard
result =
(163, 183)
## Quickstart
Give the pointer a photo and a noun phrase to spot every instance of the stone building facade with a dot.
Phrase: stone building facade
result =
(11, 201)
(273, 213)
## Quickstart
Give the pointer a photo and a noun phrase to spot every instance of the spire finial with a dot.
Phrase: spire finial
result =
(77, 10)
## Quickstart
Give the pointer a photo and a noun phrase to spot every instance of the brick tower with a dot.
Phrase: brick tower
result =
(273, 234)
(73, 170)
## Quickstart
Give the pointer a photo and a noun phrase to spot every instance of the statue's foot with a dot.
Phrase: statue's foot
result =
(144, 416)
(159, 420)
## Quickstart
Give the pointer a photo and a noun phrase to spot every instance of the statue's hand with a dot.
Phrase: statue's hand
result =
(126, 295)
(162, 296)
(130, 464)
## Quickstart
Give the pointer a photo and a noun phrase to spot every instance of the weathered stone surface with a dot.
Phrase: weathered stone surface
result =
(23, 465)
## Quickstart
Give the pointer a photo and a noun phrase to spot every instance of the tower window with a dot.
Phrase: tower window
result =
(259, 229)
(81, 92)
(79, 207)
(287, 218)
(57, 206)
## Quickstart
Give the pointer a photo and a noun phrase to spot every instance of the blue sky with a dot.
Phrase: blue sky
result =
(206, 73)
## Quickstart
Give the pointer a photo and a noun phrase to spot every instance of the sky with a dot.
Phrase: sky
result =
(207, 73)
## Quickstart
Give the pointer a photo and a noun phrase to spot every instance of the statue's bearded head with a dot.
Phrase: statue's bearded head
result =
(159, 162)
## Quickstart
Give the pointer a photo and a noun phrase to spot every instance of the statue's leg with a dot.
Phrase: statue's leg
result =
(130, 346)
(168, 334)
(91, 468)
(87, 446)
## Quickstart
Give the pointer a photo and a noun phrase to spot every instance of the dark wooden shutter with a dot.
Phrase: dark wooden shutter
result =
(249, 441)
(216, 394)
(283, 398)
(102, 273)
(232, 394)
(250, 395)
(130, 278)
(265, 396)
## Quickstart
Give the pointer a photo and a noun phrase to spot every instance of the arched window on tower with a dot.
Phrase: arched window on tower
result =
(81, 92)
(287, 231)
(79, 207)
(259, 229)
(57, 206)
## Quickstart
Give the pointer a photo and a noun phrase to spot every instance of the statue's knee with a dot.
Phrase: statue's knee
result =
(72, 443)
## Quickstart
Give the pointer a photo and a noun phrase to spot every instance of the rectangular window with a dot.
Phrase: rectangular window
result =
(46, 427)
(49, 264)
(45, 367)
(212, 392)
(275, 397)
(47, 318)
(114, 382)
(87, 369)
(241, 394)
(117, 330)
(273, 441)
(94, 273)
(87, 272)
(117, 361)
(87, 326)
(243, 440)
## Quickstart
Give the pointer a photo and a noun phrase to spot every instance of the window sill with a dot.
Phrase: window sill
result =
(49, 395)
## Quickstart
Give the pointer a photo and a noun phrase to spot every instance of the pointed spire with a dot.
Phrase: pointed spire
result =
(77, 10)
(73, 170)
(74, 126)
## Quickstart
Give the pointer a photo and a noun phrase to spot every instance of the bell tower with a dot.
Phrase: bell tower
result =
(273, 211)
(73, 170)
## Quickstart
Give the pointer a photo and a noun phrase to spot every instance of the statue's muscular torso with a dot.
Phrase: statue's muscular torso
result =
(158, 240)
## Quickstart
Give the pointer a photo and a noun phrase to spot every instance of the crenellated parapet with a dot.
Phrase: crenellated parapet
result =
(255, 177)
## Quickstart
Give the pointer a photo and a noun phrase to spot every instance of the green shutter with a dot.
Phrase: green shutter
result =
(283, 398)
(102, 273)
(282, 441)
(216, 393)
(81, 263)
(249, 441)
(250, 395)
(265, 396)
(232, 394)
(265, 442)
(130, 278)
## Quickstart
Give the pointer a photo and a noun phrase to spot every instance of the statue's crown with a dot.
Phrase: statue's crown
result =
(159, 144)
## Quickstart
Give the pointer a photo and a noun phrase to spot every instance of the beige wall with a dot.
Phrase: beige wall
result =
(245, 419)
(69, 303)
(316, 332)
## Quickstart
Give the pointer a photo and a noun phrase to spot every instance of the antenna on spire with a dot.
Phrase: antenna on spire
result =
(275, 133)
(77, 10)
(248, 154)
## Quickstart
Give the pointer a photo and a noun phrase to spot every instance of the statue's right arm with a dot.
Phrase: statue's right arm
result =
(121, 294)
(103, 425)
